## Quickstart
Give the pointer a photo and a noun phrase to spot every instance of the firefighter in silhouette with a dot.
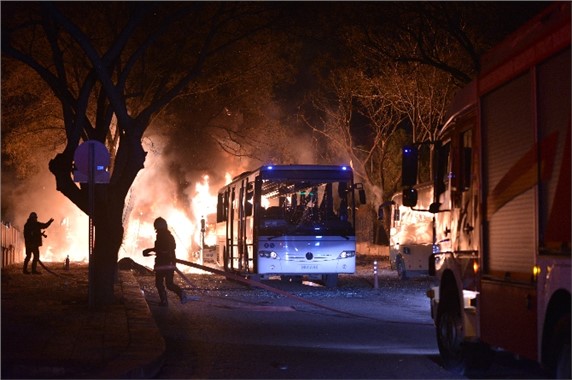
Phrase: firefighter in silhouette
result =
(33, 240)
(165, 261)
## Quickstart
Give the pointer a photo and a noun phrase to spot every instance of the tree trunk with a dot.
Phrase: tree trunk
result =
(108, 213)
(108, 239)
(109, 219)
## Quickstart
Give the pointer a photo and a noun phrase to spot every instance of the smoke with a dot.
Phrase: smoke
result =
(177, 186)
(67, 235)
(168, 186)
(184, 169)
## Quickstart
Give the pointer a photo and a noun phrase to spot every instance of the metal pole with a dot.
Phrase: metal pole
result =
(91, 206)
(203, 229)
(375, 280)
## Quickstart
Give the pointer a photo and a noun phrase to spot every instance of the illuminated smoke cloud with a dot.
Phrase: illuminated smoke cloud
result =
(155, 192)
(68, 234)
(179, 182)
(181, 194)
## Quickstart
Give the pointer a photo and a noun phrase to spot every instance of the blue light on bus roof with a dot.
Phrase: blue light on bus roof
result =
(270, 167)
(344, 168)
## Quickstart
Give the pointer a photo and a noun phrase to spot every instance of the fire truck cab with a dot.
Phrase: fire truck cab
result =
(501, 204)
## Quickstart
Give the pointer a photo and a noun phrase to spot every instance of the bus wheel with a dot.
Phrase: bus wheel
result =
(400, 267)
(292, 279)
(330, 280)
(450, 338)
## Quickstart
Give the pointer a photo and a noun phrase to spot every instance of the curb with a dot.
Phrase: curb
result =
(144, 355)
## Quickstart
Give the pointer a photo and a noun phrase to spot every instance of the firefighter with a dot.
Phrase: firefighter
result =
(33, 240)
(165, 261)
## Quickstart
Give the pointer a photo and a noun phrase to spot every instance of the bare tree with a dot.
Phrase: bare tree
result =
(31, 121)
(356, 121)
(113, 69)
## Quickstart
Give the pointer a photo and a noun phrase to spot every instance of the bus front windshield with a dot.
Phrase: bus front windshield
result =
(306, 208)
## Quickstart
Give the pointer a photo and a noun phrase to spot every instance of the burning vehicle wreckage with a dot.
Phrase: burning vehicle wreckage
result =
(287, 221)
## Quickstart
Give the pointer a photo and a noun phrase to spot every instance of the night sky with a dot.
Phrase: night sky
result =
(315, 28)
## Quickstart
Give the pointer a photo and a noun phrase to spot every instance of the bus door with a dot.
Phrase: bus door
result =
(230, 231)
(244, 228)
(241, 228)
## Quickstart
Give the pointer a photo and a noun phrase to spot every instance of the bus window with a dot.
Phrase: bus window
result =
(220, 208)
(248, 199)
(308, 205)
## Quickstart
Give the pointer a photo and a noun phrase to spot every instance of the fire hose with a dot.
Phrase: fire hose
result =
(48, 270)
(235, 277)
(249, 282)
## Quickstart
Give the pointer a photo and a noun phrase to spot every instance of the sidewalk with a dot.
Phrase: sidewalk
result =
(49, 332)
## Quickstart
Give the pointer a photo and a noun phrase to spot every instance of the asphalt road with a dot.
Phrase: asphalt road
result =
(353, 331)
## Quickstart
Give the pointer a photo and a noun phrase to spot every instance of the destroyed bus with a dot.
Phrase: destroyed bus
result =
(289, 221)
(502, 204)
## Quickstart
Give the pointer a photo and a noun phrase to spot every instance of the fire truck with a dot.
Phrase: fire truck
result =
(501, 199)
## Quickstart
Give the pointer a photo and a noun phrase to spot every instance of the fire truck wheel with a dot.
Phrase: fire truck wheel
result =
(560, 347)
(458, 355)
(450, 338)
(400, 267)
(563, 365)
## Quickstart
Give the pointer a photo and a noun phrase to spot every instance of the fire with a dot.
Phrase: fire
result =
(190, 212)
(69, 234)
(184, 223)
(206, 204)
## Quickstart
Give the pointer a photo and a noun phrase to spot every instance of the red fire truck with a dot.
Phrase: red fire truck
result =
(501, 188)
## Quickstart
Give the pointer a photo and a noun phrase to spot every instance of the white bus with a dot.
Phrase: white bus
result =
(289, 221)
(411, 234)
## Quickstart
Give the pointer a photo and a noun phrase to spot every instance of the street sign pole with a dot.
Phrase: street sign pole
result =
(91, 163)
(91, 206)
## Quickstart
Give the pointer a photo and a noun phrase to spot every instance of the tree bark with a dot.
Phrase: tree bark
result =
(107, 219)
